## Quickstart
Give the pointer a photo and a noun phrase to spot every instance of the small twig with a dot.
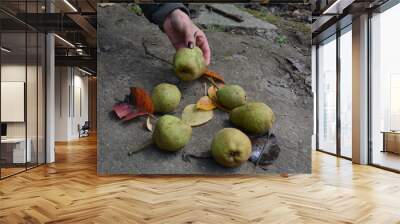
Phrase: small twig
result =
(212, 82)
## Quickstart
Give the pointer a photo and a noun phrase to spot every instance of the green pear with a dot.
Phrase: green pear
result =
(254, 118)
(189, 63)
(231, 96)
(165, 97)
(171, 133)
(231, 147)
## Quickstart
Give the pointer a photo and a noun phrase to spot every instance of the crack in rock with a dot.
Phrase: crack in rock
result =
(147, 52)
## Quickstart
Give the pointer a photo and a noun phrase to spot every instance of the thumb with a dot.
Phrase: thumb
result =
(190, 39)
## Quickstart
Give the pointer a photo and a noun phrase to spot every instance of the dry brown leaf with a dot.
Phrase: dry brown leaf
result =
(195, 117)
(285, 175)
(206, 103)
(219, 106)
(122, 109)
(149, 125)
(212, 93)
(142, 100)
(214, 75)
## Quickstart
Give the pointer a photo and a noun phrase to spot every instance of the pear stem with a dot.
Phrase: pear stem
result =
(152, 116)
(213, 82)
(195, 34)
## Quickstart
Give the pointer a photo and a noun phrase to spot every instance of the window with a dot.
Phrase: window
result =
(346, 92)
(327, 95)
(334, 137)
(385, 89)
(22, 77)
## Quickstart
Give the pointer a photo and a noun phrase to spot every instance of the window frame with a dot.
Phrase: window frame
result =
(339, 32)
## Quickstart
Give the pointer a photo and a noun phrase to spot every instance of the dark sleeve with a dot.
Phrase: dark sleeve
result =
(156, 13)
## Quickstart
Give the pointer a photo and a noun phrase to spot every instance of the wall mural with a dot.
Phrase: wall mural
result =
(164, 111)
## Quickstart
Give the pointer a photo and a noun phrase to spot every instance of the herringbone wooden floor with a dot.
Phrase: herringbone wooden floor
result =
(69, 191)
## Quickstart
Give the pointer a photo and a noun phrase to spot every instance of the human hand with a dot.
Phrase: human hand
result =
(183, 33)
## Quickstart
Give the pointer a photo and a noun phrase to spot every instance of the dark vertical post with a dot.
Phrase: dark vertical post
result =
(369, 101)
(317, 97)
(26, 86)
(338, 73)
(45, 89)
(37, 88)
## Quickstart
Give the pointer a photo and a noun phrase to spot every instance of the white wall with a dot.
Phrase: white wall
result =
(12, 73)
(16, 73)
(62, 81)
(9, 73)
(80, 110)
(33, 126)
(71, 102)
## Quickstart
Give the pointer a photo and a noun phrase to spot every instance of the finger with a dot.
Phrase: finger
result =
(179, 45)
(202, 43)
(190, 38)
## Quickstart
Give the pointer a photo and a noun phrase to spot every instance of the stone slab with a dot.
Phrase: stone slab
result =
(259, 65)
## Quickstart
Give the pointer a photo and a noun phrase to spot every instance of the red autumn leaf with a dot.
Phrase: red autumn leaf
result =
(219, 106)
(143, 100)
(214, 75)
(122, 109)
(133, 115)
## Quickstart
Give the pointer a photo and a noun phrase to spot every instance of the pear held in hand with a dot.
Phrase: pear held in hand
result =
(165, 97)
(171, 133)
(189, 63)
(231, 147)
(254, 118)
(231, 96)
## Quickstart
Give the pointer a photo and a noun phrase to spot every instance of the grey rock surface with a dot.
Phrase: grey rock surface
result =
(208, 17)
(274, 74)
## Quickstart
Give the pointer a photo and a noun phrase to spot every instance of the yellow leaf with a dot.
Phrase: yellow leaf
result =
(195, 117)
(206, 103)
